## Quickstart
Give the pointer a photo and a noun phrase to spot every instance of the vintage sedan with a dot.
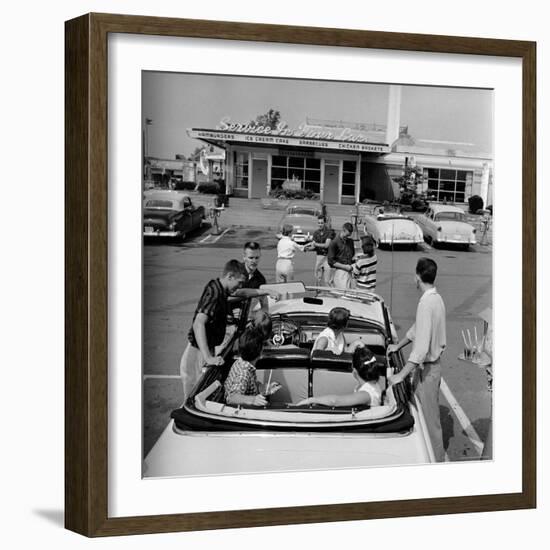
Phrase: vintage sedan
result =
(389, 228)
(303, 216)
(207, 435)
(170, 214)
(446, 224)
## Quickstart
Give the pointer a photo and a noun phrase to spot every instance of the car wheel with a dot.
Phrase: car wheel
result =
(181, 238)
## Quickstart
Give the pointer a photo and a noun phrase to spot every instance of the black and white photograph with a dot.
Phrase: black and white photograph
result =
(317, 274)
(271, 286)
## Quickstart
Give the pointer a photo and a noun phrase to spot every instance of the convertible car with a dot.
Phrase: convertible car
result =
(392, 228)
(170, 214)
(303, 216)
(201, 437)
(446, 224)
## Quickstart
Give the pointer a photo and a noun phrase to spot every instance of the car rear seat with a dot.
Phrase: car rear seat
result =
(293, 377)
(335, 375)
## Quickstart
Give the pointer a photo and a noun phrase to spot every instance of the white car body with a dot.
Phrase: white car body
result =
(387, 228)
(186, 453)
(445, 224)
(192, 454)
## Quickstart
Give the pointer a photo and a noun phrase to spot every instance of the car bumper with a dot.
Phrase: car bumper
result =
(400, 241)
(455, 240)
(160, 233)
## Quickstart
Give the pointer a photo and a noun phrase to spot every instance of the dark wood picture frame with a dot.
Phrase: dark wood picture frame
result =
(86, 282)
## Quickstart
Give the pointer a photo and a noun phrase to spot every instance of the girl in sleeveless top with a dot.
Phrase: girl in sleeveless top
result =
(369, 390)
(332, 338)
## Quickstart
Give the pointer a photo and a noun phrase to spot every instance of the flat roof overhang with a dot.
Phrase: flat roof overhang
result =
(221, 139)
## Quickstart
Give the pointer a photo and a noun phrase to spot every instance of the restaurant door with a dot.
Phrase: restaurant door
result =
(331, 183)
(259, 178)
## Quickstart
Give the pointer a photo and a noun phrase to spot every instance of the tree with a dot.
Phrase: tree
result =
(270, 119)
(408, 186)
(196, 154)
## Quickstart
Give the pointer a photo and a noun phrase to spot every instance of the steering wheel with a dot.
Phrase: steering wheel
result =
(284, 331)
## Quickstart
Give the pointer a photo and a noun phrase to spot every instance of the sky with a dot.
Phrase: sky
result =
(176, 101)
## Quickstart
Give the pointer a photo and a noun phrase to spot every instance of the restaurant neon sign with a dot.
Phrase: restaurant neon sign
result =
(283, 130)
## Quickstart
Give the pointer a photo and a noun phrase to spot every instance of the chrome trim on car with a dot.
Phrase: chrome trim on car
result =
(162, 234)
(326, 435)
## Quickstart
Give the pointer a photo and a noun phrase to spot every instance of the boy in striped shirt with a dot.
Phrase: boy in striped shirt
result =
(364, 266)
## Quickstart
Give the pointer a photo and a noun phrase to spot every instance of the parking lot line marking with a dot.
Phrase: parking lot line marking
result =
(220, 236)
(462, 418)
(161, 376)
(205, 238)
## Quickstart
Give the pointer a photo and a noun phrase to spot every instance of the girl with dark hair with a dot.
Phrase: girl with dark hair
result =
(241, 385)
(370, 384)
(261, 320)
(332, 338)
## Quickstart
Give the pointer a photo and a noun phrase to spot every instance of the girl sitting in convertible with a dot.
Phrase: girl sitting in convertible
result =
(332, 338)
(241, 385)
(369, 390)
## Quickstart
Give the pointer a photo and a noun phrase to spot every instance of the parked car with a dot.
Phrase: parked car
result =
(281, 435)
(388, 227)
(445, 224)
(170, 214)
(303, 216)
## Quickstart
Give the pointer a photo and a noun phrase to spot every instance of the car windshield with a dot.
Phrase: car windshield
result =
(157, 203)
(314, 319)
(451, 216)
(299, 210)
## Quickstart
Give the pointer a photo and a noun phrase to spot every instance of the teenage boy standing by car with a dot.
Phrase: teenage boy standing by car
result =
(209, 324)
(364, 267)
(429, 340)
(254, 278)
(321, 241)
(340, 257)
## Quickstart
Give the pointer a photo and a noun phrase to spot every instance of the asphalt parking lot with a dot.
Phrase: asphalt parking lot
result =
(175, 274)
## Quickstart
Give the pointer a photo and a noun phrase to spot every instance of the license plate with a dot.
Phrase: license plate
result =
(148, 229)
(457, 237)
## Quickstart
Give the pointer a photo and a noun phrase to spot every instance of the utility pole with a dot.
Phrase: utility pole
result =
(148, 122)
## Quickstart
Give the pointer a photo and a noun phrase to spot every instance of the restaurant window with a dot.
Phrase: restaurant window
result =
(241, 170)
(348, 178)
(448, 185)
(306, 170)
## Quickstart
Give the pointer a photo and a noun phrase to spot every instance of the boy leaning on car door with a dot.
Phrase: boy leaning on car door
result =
(209, 324)
(429, 340)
